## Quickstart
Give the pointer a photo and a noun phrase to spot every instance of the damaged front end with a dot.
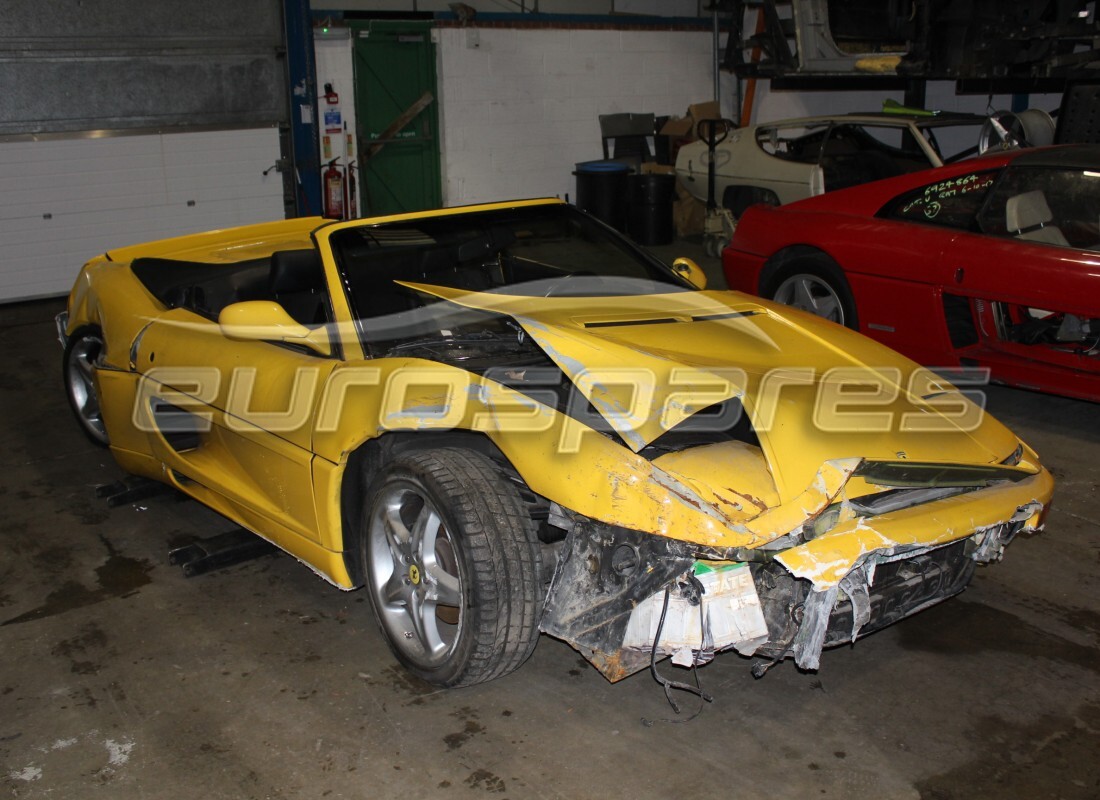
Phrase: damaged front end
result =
(683, 530)
(606, 596)
(623, 598)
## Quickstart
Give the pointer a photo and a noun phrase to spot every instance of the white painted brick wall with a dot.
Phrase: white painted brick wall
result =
(522, 107)
(64, 201)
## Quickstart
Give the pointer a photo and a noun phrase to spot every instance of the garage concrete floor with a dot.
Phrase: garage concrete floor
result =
(120, 678)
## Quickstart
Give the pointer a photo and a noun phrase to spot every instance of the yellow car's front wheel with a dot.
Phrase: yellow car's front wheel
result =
(452, 563)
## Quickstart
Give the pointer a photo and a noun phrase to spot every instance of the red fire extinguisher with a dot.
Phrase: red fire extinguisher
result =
(334, 191)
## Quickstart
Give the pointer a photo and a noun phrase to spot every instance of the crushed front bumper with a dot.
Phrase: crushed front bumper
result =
(610, 580)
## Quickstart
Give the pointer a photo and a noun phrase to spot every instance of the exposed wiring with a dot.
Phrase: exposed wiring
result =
(759, 668)
(696, 589)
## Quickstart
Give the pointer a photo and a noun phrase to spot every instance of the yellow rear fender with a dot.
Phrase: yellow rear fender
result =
(106, 296)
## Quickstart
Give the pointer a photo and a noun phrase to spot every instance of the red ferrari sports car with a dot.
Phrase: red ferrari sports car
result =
(992, 262)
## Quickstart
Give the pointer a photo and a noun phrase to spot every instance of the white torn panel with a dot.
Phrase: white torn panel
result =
(991, 541)
(732, 617)
(856, 585)
(810, 638)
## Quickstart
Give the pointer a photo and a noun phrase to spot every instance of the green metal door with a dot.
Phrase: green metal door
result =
(394, 77)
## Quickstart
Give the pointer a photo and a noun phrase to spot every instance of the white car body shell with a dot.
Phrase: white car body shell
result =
(742, 161)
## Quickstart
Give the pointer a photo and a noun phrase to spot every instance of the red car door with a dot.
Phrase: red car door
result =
(1026, 273)
(901, 265)
(1032, 276)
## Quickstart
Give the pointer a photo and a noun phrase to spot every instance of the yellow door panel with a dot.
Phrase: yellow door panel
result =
(234, 416)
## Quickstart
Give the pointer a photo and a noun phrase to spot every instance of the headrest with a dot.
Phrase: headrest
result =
(296, 271)
(1027, 211)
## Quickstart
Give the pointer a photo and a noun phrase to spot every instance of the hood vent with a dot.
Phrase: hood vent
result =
(617, 323)
(921, 474)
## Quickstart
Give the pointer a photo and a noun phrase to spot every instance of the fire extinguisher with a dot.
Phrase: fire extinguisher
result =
(334, 191)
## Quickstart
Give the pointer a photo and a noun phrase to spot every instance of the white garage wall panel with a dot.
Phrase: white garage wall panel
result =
(520, 106)
(63, 201)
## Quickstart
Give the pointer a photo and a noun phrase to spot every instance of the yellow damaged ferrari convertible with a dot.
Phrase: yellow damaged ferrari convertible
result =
(507, 419)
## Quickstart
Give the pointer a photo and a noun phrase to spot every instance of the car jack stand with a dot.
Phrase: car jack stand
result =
(130, 489)
(216, 552)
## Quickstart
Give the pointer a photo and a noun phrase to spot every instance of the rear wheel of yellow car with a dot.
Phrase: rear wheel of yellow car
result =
(452, 565)
(79, 370)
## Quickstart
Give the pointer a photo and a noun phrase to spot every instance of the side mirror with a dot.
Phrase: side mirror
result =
(267, 321)
(690, 271)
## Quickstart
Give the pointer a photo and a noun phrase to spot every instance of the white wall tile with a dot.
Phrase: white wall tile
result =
(516, 65)
(596, 41)
(648, 41)
(568, 108)
(566, 64)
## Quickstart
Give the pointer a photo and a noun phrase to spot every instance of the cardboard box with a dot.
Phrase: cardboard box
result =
(681, 130)
(650, 168)
(707, 110)
(686, 127)
(678, 127)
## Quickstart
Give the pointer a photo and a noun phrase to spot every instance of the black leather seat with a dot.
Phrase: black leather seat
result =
(297, 283)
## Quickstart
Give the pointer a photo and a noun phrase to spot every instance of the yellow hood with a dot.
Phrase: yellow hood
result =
(704, 347)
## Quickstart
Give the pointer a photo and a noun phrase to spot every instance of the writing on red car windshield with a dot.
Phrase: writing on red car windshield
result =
(931, 202)
(952, 203)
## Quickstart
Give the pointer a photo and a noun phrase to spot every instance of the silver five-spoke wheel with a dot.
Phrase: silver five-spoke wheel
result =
(81, 362)
(811, 293)
(415, 575)
(452, 561)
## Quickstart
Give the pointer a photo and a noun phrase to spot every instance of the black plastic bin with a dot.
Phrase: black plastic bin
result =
(649, 209)
(601, 190)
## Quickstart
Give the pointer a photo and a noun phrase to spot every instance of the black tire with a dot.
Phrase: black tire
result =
(817, 276)
(466, 611)
(78, 371)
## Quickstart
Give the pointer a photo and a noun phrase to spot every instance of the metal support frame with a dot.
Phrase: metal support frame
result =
(986, 46)
(301, 66)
